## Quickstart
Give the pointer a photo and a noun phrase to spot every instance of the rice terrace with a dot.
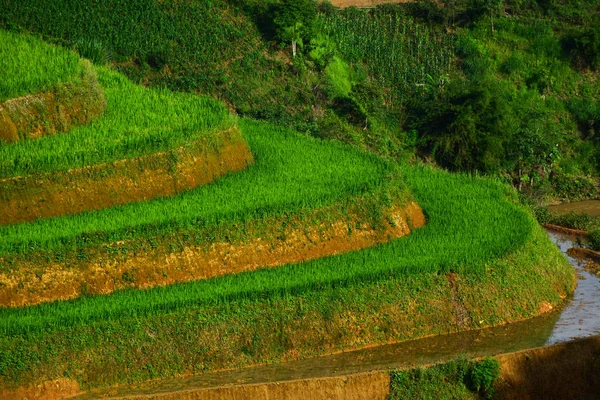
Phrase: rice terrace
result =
(299, 199)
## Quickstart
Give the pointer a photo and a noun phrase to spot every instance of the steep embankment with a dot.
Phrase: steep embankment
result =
(44, 89)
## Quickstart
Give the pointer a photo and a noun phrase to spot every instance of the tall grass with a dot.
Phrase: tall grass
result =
(137, 121)
(291, 172)
(403, 54)
(28, 65)
(471, 221)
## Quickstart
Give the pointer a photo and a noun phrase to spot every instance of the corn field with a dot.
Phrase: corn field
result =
(402, 54)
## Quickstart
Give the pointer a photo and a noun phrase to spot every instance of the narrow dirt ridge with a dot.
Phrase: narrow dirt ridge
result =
(366, 3)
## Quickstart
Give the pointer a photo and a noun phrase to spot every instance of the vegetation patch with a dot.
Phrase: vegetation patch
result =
(291, 173)
(459, 379)
(57, 95)
(137, 122)
(271, 242)
(29, 65)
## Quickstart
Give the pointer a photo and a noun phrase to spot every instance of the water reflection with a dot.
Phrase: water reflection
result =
(581, 316)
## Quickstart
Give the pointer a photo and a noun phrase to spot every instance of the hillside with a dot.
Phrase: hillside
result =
(170, 236)
(407, 80)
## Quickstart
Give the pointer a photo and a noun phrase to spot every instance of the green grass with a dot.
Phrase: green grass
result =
(137, 121)
(196, 39)
(470, 223)
(28, 65)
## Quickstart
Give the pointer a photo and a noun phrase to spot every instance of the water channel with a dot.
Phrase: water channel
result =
(578, 318)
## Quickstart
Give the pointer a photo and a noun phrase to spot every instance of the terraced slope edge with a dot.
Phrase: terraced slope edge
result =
(67, 105)
(96, 187)
(289, 240)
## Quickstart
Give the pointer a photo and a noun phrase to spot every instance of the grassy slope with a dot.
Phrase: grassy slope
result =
(274, 325)
(28, 65)
(137, 121)
(472, 225)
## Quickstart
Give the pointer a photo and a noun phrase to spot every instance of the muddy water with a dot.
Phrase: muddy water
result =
(579, 318)
(590, 207)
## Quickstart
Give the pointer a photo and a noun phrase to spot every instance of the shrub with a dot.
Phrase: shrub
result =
(583, 45)
(483, 375)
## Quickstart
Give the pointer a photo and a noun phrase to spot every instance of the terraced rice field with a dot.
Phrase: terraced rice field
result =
(476, 232)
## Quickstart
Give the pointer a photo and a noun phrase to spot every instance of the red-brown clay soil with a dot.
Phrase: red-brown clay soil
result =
(57, 111)
(92, 188)
(42, 282)
(562, 371)
(51, 390)
(368, 386)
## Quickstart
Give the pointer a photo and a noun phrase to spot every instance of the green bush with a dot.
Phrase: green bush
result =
(594, 239)
(458, 379)
(583, 44)
(483, 374)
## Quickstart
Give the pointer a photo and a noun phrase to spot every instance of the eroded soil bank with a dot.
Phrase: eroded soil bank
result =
(287, 243)
(96, 187)
(561, 371)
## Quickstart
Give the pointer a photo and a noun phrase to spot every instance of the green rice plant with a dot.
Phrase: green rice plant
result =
(291, 173)
(471, 220)
(28, 65)
(137, 121)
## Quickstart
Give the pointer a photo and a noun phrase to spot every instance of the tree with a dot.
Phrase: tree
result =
(491, 7)
(294, 20)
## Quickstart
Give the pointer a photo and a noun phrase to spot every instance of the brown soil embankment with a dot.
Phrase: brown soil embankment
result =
(288, 241)
(57, 111)
(96, 187)
(562, 371)
(568, 231)
(51, 390)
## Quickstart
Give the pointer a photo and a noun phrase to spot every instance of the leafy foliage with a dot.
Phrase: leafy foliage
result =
(458, 379)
